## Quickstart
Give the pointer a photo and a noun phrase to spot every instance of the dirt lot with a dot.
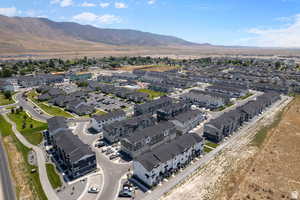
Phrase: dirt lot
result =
(21, 180)
(157, 68)
(274, 172)
(244, 171)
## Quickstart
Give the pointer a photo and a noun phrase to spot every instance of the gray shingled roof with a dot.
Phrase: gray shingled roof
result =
(72, 145)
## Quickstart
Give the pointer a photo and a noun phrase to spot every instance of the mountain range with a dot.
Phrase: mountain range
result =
(41, 34)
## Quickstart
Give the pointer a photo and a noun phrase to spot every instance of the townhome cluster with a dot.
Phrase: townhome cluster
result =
(71, 155)
(154, 165)
(219, 128)
(121, 92)
(74, 102)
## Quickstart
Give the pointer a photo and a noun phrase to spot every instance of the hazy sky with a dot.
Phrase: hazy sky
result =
(222, 22)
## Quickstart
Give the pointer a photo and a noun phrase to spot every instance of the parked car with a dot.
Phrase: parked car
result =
(114, 156)
(93, 189)
(127, 190)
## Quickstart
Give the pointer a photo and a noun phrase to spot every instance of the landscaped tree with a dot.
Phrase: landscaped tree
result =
(7, 94)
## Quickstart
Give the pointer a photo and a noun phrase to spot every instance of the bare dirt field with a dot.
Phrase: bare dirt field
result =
(274, 172)
(245, 171)
(156, 68)
(19, 173)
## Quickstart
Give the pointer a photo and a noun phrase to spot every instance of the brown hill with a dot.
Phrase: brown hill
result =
(19, 34)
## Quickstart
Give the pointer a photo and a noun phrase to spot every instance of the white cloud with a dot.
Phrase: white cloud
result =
(12, 11)
(109, 19)
(120, 5)
(66, 3)
(104, 5)
(87, 17)
(151, 2)
(286, 36)
(86, 4)
(62, 3)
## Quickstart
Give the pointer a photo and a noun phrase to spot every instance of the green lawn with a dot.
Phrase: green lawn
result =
(51, 110)
(226, 106)
(53, 176)
(32, 129)
(33, 177)
(100, 112)
(211, 144)
(5, 128)
(246, 96)
(4, 101)
(207, 149)
(152, 94)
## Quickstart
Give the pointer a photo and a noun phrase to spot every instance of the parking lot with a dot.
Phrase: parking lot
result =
(107, 102)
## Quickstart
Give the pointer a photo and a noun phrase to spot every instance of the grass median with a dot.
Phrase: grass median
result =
(28, 127)
(51, 110)
(53, 176)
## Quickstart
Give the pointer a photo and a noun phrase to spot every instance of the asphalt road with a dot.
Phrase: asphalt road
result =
(7, 187)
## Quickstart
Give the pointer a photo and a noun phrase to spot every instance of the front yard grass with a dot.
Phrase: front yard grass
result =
(207, 149)
(211, 144)
(5, 101)
(53, 176)
(152, 94)
(246, 96)
(28, 127)
(51, 110)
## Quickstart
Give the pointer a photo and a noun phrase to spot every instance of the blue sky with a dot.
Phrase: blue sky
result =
(222, 22)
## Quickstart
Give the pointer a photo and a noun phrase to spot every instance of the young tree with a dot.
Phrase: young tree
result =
(7, 94)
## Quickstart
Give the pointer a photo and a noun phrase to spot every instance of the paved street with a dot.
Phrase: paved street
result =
(6, 187)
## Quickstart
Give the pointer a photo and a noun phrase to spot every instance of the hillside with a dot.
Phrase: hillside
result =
(41, 34)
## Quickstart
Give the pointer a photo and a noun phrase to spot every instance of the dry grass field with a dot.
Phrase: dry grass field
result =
(156, 68)
(274, 172)
(247, 171)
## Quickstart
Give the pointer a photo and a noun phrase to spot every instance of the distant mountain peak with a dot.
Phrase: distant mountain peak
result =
(45, 29)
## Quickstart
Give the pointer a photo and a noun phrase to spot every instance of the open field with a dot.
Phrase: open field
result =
(4, 101)
(53, 176)
(157, 68)
(208, 181)
(152, 94)
(30, 128)
(27, 184)
(272, 172)
(51, 110)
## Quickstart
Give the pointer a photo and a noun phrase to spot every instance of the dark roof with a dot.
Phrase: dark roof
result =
(148, 160)
(188, 115)
(150, 131)
(110, 115)
(72, 145)
(168, 151)
(56, 122)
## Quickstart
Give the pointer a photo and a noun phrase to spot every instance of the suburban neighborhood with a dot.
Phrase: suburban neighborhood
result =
(136, 134)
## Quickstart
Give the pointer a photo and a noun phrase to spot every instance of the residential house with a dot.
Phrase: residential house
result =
(98, 121)
(148, 138)
(153, 166)
(188, 120)
(119, 129)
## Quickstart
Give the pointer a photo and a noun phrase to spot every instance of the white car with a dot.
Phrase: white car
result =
(94, 189)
